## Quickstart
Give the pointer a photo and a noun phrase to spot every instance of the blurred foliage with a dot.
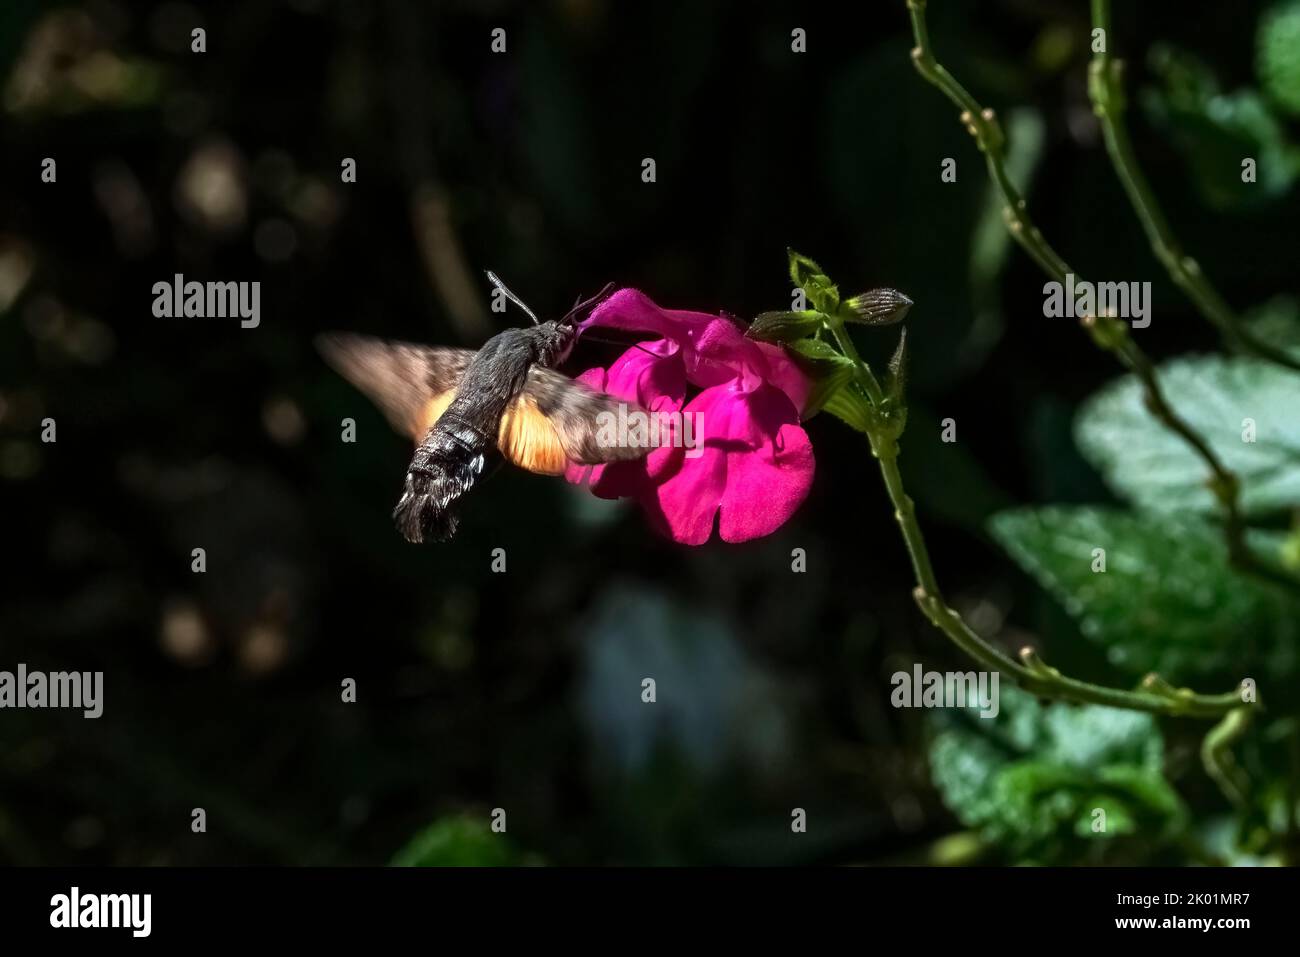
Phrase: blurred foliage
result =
(1058, 784)
(460, 841)
(1162, 596)
(522, 691)
(1278, 322)
(1278, 56)
(1231, 402)
(1216, 131)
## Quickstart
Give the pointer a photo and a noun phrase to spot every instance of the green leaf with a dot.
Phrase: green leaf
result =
(850, 407)
(1167, 601)
(804, 271)
(819, 350)
(784, 326)
(817, 286)
(1215, 130)
(1277, 54)
(460, 841)
(1277, 322)
(1155, 469)
(1032, 779)
(896, 387)
(833, 389)
(826, 383)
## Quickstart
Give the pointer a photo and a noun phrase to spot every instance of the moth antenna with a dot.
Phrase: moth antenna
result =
(492, 277)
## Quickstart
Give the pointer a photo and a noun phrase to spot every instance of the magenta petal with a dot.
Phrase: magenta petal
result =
(766, 488)
(628, 479)
(634, 311)
(721, 352)
(723, 345)
(785, 374)
(684, 505)
(714, 348)
(693, 332)
(650, 373)
(756, 466)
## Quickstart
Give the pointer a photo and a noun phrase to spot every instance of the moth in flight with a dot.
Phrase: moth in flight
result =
(462, 407)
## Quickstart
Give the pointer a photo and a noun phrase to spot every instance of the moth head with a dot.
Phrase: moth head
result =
(554, 342)
(567, 326)
(563, 332)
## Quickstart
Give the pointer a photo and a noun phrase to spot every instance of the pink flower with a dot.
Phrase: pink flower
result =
(751, 463)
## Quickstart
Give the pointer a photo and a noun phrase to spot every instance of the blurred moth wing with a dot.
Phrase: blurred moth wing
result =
(553, 421)
(412, 385)
(575, 412)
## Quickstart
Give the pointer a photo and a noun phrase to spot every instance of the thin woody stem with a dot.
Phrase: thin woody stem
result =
(1106, 90)
(1108, 334)
(1030, 672)
(1216, 756)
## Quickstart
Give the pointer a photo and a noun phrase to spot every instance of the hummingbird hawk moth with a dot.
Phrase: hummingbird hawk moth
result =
(462, 406)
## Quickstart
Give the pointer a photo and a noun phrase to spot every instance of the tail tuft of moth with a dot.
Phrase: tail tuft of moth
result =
(437, 478)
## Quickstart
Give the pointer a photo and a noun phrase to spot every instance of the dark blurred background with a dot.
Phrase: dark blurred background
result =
(521, 690)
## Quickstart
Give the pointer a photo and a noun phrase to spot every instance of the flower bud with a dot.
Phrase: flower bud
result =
(877, 307)
(784, 326)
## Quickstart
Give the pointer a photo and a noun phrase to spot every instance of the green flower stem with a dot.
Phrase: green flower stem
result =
(1031, 673)
(983, 125)
(1216, 755)
(1109, 334)
(1106, 90)
(863, 376)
